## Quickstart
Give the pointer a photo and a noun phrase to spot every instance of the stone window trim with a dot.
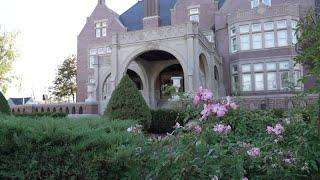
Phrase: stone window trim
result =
(293, 72)
(194, 16)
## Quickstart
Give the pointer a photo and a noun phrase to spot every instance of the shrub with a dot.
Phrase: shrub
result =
(43, 114)
(48, 148)
(4, 106)
(163, 120)
(127, 103)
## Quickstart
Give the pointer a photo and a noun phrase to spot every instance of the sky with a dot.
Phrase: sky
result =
(48, 32)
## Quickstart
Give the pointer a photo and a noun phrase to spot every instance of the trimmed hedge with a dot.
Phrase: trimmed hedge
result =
(127, 103)
(163, 120)
(43, 114)
(4, 106)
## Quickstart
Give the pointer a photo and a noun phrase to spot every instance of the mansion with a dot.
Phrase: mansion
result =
(233, 47)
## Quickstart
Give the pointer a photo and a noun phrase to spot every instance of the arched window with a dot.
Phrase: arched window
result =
(12, 110)
(54, 110)
(60, 110)
(48, 109)
(42, 110)
(67, 110)
(216, 73)
(135, 78)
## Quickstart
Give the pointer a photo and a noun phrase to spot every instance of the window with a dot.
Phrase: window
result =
(102, 51)
(259, 81)
(92, 62)
(258, 67)
(93, 51)
(256, 27)
(297, 78)
(210, 38)
(246, 68)
(282, 38)
(244, 29)
(294, 24)
(234, 69)
(255, 3)
(294, 31)
(101, 29)
(284, 76)
(282, 24)
(91, 81)
(245, 42)
(269, 39)
(272, 81)
(233, 44)
(271, 66)
(284, 65)
(108, 50)
(235, 83)
(194, 15)
(268, 26)
(246, 82)
(257, 41)
(233, 32)
(267, 2)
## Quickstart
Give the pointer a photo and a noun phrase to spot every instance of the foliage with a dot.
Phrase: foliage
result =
(163, 120)
(48, 148)
(4, 106)
(43, 114)
(247, 150)
(65, 82)
(127, 103)
(8, 55)
(308, 48)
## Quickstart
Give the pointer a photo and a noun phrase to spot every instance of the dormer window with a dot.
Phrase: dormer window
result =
(194, 15)
(256, 3)
(101, 29)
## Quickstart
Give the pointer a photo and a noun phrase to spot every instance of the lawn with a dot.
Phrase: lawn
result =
(60, 148)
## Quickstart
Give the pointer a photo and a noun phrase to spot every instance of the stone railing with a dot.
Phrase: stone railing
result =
(205, 41)
(76, 108)
(152, 34)
(267, 12)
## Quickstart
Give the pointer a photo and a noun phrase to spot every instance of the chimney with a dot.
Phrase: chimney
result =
(151, 14)
(101, 2)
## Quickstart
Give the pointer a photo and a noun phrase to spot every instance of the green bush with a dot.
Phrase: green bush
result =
(163, 120)
(48, 148)
(127, 103)
(4, 106)
(43, 114)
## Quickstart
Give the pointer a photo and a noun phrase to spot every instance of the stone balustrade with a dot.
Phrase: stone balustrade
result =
(68, 108)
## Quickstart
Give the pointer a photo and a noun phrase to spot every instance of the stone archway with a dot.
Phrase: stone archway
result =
(106, 88)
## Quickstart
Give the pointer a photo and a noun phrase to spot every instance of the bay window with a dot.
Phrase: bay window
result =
(282, 38)
(256, 27)
(257, 41)
(255, 3)
(246, 68)
(294, 24)
(268, 26)
(269, 39)
(233, 44)
(246, 82)
(245, 42)
(282, 24)
(284, 80)
(259, 81)
(244, 29)
(272, 81)
(267, 2)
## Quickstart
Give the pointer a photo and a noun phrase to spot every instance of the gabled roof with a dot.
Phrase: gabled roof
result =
(19, 101)
(133, 17)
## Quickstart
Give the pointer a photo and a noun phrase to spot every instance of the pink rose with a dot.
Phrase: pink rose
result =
(234, 106)
(254, 152)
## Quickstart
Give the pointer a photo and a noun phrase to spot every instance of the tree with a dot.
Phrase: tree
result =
(308, 48)
(8, 55)
(126, 102)
(65, 82)
(4, 106)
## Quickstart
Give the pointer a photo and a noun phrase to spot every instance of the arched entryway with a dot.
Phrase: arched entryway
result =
(135, 78)
(152, 70)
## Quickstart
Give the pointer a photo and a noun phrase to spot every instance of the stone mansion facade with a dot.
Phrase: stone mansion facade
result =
(234, 47)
